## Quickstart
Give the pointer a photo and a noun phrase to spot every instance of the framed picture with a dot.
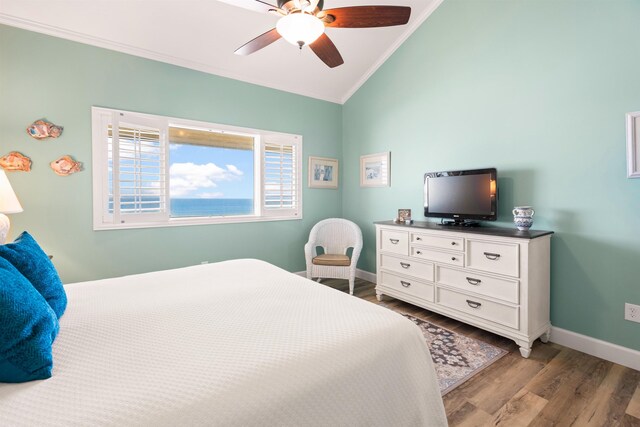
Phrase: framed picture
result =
(404, 215)
(323, 172)
(375, 170)
(633, 145)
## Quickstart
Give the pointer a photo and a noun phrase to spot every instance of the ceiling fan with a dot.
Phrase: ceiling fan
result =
(302, 22)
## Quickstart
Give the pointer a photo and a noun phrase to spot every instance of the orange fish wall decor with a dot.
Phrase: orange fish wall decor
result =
(15, 161)
(65, 166)
(42, 129)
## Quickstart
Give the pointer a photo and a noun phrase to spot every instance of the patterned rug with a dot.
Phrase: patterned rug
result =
(456, 357)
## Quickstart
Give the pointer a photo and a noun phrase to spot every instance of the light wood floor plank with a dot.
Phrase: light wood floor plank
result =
(520, 410)
(569, 383)
(468, 416)
(629, 421)
(633, 408)
(491, 394)
(598, 411)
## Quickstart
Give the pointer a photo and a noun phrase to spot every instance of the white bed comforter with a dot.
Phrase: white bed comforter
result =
(236, 343)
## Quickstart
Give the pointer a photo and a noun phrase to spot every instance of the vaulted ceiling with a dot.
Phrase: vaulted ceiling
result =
(203, 35)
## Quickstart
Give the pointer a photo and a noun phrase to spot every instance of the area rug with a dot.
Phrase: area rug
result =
(456, 357)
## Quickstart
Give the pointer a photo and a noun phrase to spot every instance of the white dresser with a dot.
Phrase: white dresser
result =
(493, 278)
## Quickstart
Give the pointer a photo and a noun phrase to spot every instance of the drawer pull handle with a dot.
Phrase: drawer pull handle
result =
(394, 241)
(473, 304)
(405, 284)
(453, 258)
(473, 281)
(418, 238)
(418, 252)
(492, 256)
(405, 265)
(453, 243)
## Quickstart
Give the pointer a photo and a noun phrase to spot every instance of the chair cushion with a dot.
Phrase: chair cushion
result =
(333, 260)
(29, 259)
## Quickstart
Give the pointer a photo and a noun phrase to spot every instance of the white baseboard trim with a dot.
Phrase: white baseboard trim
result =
(365, 275)
(360, 274)
(595, 347)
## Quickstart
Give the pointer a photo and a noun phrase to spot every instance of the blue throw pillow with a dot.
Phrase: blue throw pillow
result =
(26, 255)
(28, 327)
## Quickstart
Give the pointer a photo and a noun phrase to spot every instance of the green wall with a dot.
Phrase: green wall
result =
(42, 76)
(539, 90)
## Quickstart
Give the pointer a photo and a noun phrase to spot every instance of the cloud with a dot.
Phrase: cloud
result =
(189, 179)
(234, 170)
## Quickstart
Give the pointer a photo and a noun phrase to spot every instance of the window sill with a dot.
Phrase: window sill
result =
(182, 222)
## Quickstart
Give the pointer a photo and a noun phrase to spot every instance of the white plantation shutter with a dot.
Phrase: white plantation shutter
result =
(137, 187)
(281, 171)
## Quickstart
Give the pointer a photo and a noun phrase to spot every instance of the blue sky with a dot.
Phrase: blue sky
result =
(210, 172)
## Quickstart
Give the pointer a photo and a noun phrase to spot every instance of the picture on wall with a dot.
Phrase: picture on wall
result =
(375, 170)
(323, 172)
(633, 145)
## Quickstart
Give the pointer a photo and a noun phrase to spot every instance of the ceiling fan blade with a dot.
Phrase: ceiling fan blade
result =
(263, 40)
(368, 16)
(327, 51)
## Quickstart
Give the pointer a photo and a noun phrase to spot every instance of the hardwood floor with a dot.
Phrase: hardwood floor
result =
(556, 386)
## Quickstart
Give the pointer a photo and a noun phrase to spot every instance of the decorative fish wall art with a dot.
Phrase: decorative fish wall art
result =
(42, 129)
(15, 161)
(65, 166)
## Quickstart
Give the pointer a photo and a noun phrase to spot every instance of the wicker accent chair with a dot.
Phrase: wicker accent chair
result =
(335, 236)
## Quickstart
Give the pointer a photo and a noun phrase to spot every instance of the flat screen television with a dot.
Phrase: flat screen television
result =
(462, 196)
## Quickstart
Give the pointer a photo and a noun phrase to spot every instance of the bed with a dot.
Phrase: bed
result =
(235, 343)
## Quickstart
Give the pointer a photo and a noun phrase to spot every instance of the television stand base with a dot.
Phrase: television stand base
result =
(461, 223)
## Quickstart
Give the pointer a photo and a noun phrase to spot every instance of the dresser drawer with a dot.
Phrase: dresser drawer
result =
(484, 309)
(501, 258)
(412, 287)
(504, 289)
(451, 258)
(422, 270)
(394, 241)
(444, 242)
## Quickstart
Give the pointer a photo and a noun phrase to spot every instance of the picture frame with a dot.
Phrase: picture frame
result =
(375, 170)
(404, 215)
(633, 145)
(323, 172)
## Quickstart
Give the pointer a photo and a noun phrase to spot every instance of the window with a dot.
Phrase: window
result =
(154, 171)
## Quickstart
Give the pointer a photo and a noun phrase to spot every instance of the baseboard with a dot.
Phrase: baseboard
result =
(365, 275)
(360, 274)
(595, 347)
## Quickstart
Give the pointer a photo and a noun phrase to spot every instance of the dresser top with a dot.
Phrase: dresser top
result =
(486, 230)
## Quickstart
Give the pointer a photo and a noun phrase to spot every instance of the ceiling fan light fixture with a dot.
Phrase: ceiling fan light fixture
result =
(300, 28)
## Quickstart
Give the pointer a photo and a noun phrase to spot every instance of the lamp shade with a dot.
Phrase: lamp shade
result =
(8, 201)
(300, 28)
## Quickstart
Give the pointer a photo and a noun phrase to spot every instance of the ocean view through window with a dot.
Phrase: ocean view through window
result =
(154, 171)
(209, 174)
